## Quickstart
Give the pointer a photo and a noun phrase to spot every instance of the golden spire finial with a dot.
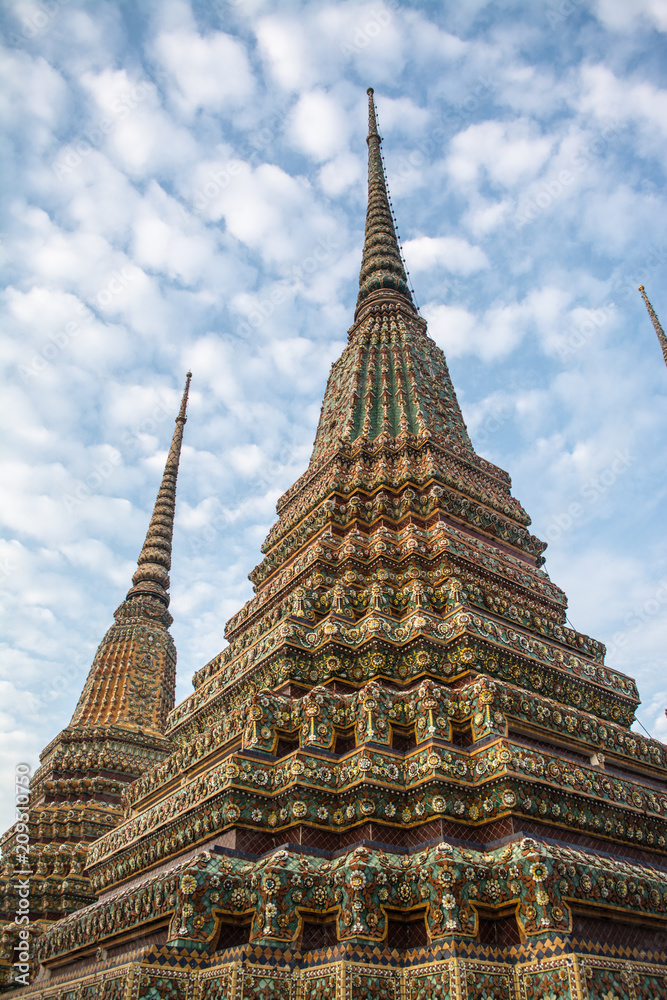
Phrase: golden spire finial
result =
(660, 333)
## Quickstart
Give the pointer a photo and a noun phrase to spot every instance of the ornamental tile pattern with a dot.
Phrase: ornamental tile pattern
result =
(405, 777)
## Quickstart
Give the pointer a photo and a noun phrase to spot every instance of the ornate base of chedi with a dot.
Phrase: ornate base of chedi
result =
(552, 970)
(519, 920)
(325, 866)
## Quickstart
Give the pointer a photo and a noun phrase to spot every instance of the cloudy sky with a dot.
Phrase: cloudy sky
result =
(185, 188)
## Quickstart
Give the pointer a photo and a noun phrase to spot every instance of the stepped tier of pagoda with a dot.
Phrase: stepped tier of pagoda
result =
(405, 776)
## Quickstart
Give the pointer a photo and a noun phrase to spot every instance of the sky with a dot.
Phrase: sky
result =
(185, 187)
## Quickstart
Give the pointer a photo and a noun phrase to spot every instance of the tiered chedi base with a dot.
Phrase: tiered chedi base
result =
(523, 910)
(404, 770)
(512, 921)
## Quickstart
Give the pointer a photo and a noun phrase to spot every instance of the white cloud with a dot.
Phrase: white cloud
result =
(32, 92)
(340, 173)
(140, 135)
(270, 211)
(508, 152)
(616, 219)
(321, 42)
(285, 46)
(610, 97)
(319, 126)
(530, 89)
(163, 243)
(247, 460)
(449, 252)
(402, 116)
(484, 216)
(621, 16)
(452, 327)
(500, 329)
(209, 72)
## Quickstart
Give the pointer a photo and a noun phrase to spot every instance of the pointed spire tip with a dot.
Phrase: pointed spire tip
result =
(154, 563)
(372, 121)
(382, 267)
(184, 402)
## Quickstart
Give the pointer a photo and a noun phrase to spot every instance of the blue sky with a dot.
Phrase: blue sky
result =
(185, 188)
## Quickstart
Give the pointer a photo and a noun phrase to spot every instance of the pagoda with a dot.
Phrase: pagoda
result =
(116, 735)
(405, 778)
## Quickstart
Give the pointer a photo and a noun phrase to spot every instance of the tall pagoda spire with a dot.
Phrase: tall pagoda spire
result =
(662, 339)
(392, 381)
(133, 676)
(381, 263)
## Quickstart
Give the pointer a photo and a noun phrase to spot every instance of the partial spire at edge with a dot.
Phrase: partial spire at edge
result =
(381, 262)
(662, 339)
(154, 563)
